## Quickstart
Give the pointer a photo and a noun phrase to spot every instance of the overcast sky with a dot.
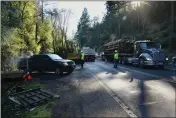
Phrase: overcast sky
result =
(95, 8)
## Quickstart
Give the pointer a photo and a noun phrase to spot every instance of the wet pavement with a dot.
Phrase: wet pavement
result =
(145, 91)
(99, 90)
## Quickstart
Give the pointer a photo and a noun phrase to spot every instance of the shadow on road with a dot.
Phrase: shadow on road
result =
(48, 76)
(89, 99)
(111, 70)
(138, 77)
(142, 99)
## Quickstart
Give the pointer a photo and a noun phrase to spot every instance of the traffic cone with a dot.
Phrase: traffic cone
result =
(29, 77)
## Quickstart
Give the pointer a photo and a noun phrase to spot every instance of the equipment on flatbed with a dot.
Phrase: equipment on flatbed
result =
(143, 53)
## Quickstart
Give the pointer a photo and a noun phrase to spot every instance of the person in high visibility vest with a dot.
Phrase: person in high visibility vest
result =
(82, 59)
(116, 55)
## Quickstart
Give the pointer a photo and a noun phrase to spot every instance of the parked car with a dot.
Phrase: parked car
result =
(50, 63)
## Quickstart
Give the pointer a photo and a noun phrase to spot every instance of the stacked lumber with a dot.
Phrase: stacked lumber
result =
(124, 46)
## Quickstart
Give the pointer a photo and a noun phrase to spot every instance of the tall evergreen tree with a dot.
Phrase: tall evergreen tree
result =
(83, 29)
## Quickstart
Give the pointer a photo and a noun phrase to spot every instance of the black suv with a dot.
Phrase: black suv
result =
(51, 63)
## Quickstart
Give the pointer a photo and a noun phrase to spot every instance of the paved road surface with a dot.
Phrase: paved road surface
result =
(99, 90)
(140, 89)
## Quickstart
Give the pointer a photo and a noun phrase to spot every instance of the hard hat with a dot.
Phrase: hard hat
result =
(81, 51)
(115, 50)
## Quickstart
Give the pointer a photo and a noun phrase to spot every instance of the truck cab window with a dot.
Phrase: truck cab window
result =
(143, 45)
(147, 45)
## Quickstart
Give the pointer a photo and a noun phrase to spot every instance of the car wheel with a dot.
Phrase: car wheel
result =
(58, 71)
(141, 63)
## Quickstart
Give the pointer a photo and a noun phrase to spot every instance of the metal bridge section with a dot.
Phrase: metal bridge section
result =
(31, 98)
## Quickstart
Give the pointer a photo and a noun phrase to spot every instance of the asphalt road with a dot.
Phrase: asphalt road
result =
(99, 90)
(147, 92)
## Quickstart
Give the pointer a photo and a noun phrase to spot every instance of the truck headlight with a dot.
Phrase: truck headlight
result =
(65, 64)
(148, 59)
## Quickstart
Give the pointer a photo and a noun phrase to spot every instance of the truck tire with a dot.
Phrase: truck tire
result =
(141, 63)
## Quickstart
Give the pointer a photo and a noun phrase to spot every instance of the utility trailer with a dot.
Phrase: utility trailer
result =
(142, 53)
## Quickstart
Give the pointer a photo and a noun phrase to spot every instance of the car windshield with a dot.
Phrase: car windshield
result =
(54, 57)
(149, 45)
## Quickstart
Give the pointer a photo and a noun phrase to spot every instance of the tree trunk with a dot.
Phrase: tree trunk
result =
(54, 46)
(36, 31)
(119, 27)
(138, 16)
(119, 23)
(42, 11)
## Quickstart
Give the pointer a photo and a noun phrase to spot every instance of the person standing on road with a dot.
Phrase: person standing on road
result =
(82, 59)
(115, 58)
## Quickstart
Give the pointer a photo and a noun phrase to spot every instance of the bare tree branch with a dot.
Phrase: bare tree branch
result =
(60, 21)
